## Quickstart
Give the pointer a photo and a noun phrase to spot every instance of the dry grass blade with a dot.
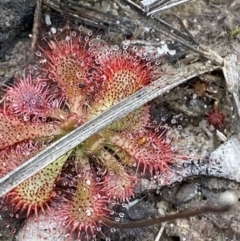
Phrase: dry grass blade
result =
(231, 73)
(155, 6)
(116, 112)
(37, 17)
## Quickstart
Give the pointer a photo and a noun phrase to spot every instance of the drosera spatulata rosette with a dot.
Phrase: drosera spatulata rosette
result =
(91, 76)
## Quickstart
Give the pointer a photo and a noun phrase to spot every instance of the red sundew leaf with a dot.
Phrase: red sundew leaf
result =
(117, 183)
(144, 150)
(13, 130)
(71, 64)
(122, 73)
(83, 210)
(13, 156)
(137, 120)
(28, 98)
(36, 192)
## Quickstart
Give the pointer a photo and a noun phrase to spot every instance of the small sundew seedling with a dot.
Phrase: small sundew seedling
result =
(200, 88)
(215, 117)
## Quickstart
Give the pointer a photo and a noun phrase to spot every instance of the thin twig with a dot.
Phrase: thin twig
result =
(225, 202)
(134, 4)
(152, 221)
(187, 31)
(159, 235)
(37, 19)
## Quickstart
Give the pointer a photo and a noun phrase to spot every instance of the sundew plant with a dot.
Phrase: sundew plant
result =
(78, 79)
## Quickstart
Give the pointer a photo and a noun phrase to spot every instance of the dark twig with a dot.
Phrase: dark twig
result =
(227, 200)
(37, 19)
(187, 31)
(152, 221)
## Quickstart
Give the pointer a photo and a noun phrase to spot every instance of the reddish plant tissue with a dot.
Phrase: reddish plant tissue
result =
(26, 98)
(90, 77)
